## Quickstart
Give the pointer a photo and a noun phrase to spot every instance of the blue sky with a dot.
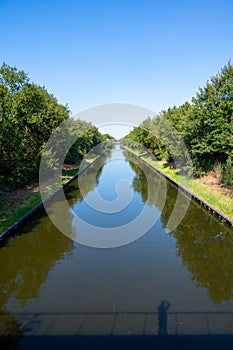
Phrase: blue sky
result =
(146, 52)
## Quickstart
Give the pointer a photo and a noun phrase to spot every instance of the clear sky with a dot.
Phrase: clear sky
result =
(146, 52)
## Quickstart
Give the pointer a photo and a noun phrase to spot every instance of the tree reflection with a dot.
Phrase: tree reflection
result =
(206, 250)
(27, 259)
(140, 181)
(91, 175)
(204, 244)
(10, 332)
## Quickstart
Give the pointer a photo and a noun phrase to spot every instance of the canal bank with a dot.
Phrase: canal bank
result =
(12, 229)
(210, 208)
(169, 284)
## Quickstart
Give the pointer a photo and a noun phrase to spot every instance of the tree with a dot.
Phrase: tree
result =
(202, 129)
(209, 129)
(28, 115)
(12, 78)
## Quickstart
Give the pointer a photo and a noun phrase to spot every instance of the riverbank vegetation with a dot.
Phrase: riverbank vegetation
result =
(207, 187)
(29, 115)
(195, 138)
(21, 200)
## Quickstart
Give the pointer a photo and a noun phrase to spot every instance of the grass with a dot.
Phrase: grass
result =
(14, 208)
(71, 173)
(15, 204)
(214, 194)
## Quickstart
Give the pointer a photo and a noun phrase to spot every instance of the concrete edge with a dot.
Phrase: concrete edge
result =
(12, 229)
(203, 203)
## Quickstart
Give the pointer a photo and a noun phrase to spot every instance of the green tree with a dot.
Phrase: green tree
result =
(205, 126)
(210, 124)
(28, 115)
(12, 78)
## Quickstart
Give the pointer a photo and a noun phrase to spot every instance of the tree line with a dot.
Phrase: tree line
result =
(28, 116)
(205, 125)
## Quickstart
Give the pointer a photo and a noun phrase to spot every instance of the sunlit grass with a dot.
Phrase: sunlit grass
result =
(216, 197)
(14, 208)
(11, 213)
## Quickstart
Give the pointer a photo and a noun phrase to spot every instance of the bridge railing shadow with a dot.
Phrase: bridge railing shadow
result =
(162, 322)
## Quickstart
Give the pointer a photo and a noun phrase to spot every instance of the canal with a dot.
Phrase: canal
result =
(146, 282)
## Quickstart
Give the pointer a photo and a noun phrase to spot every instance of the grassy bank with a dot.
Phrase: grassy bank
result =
(14, 206)
(207, 187)
(16, 203)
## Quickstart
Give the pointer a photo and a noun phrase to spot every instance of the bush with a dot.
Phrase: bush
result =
(228, 172)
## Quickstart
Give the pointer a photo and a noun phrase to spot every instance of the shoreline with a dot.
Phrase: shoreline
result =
(34, 208)
(202, 201)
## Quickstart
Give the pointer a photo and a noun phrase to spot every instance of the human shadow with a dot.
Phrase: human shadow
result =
(162, 317)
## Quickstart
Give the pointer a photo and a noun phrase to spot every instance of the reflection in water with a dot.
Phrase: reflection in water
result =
(49, 284)
(140, 182)
(28, 261)
(10, 332)
(25, 267)
(208, 258)
(204, 244)
(28, 258)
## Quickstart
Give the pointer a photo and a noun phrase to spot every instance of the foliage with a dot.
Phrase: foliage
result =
(202, 129)
(28, 116)
(163, 135)
(228, 172)
(86, 137)
(210, 124)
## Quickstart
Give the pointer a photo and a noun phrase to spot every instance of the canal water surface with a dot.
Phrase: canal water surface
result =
(151, 282)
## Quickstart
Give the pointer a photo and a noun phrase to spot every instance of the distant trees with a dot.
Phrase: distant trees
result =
(28, 116)
(87, 137)
(205, 125)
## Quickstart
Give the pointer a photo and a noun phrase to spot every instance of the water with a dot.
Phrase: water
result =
(159, 283)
